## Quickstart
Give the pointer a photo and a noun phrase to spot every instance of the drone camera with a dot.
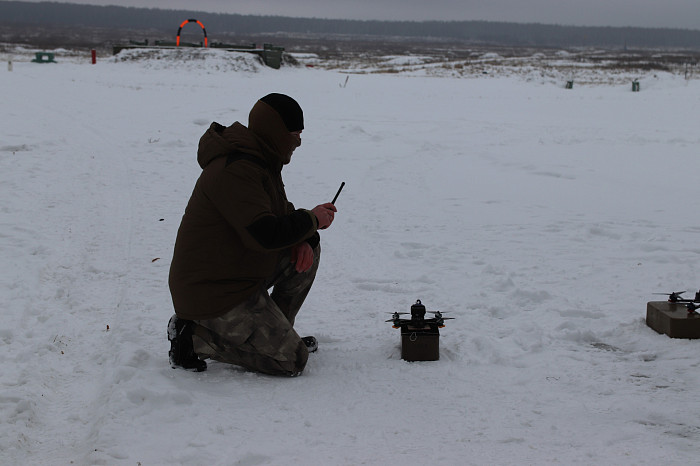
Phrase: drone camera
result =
(417, 312)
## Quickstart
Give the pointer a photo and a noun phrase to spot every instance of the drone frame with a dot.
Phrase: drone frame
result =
(691, 304)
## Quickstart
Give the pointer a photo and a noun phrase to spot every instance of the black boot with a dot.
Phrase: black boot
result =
(311, 343)
(181, 349)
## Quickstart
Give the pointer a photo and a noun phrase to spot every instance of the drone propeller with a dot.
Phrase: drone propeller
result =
(673, 297)
(692, 307)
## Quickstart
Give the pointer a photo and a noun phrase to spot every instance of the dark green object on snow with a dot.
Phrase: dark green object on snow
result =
(44, 57)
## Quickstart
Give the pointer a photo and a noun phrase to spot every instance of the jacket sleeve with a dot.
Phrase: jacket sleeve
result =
(315, 239)
(279, 232)
(241, 198)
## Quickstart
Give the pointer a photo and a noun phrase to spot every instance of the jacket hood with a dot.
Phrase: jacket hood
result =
(219, 141)
(272, 133)
(266, 135)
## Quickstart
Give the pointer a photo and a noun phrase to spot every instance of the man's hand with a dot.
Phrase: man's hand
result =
(325, 213)
(302, 257)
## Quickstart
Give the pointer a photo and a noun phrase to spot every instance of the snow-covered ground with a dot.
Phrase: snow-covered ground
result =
(541, 218)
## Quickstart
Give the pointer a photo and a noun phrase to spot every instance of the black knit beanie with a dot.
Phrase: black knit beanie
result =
(288, 109)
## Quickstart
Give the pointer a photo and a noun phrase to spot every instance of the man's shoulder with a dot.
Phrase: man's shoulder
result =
(236, 156)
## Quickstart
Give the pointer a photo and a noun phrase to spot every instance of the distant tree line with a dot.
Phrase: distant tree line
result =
(477, 32)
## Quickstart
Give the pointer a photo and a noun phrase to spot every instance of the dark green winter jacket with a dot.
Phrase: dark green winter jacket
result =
(238, 222)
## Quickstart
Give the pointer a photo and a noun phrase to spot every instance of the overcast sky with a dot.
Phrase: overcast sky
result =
(643, 13)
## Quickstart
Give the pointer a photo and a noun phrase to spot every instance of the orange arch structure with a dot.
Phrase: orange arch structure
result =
(192, 21)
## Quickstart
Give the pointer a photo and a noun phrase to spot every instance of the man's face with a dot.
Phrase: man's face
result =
(297, 137)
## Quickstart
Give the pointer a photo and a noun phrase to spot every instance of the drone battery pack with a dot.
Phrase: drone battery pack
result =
(673, 319)
(420, 343)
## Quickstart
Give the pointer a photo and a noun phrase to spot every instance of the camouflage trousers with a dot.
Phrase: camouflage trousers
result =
(259, 334)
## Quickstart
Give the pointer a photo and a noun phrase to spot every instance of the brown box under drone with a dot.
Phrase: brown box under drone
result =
(673, 319)
(420, 343)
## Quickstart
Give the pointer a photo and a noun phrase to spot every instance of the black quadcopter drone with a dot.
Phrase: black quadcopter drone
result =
(676, 297)
(418, 319)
